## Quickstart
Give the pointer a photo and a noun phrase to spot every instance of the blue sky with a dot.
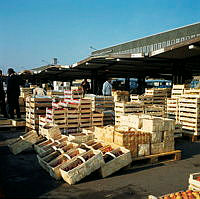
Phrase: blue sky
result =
(36, 30)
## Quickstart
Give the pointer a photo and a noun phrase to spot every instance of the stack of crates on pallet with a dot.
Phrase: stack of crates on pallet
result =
(162, 133)
(122, 108)
(36, 106)
(78, 114)
(120, 96)
(141, 134)
(173, 108)
(85, 113)
(159, 95)
(56, 116)
(72, 117)
(101, 103)
(189, 111)
(154, 110)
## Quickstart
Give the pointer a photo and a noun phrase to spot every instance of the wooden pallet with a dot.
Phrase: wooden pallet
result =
(157, 158)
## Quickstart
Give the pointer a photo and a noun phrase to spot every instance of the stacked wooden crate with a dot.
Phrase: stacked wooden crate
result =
(159, 95)
(55, 93)
(25, 92)
(178, 90)
(173, 108)
(73, 94)
(34, 108)
(122, 108)
(154, 110)
(22, 105)
(85, 113)
(141, 134)
(120, 96)
(101, 103)
(97, 119)
(108, 117)
(56, 116)
(189, 111)
(147, 100)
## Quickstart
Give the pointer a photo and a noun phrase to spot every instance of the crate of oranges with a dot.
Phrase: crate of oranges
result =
(179, 195)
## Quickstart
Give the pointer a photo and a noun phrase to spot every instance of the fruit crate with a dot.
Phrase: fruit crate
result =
(120, 158)
(75, 170)
(194, 181)
(80, 137)
(38, 147)
(23, 142)
(50, 131)
(55, 164)
(180, 194)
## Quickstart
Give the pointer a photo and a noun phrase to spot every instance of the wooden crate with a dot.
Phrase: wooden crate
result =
(120, 158)
(75, 170)
(194, 184)
(178, 90)
(23, 142)
(179, 194)
(19, 122)
(5, 121)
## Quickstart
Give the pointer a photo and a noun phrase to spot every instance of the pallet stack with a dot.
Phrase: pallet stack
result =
(120, 96)
(122, 108)
(34, 108)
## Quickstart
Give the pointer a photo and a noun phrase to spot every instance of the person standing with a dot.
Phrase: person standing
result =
(13, 92)
(2, 97)
(85, 86)
(107, 88)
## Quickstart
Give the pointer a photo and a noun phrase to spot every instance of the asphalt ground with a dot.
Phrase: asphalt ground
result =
(22, 177)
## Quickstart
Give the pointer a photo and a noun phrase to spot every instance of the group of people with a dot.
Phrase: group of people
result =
(9, 100)
(106, 90)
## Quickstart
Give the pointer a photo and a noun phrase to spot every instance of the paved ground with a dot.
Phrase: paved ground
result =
(22, 177)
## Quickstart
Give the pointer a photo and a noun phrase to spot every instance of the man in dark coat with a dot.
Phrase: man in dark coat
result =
(13, 92)
(2, 97)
